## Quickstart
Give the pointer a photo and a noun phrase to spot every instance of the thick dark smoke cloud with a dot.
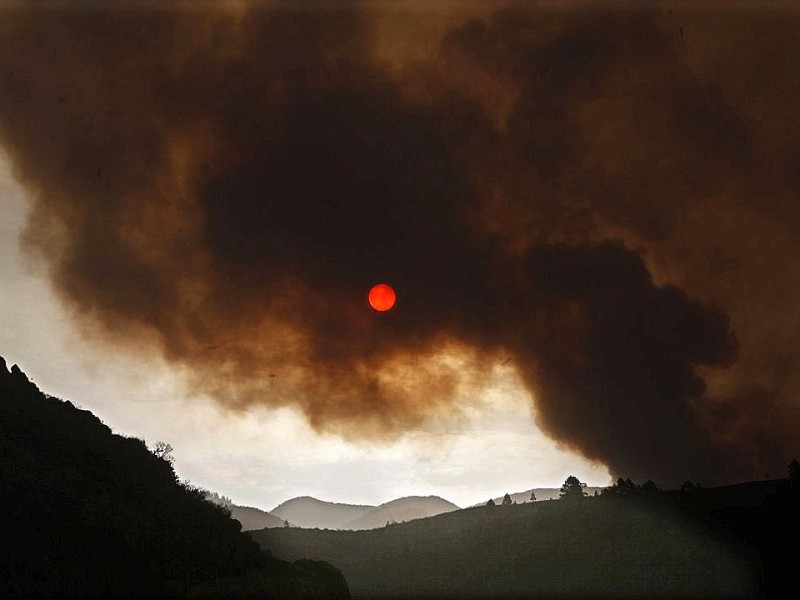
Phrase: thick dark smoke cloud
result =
(607, 197)
(636, 358)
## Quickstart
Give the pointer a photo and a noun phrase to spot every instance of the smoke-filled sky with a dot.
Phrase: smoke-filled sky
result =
(599, 202)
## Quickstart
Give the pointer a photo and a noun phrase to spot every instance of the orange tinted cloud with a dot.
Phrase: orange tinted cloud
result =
(606, 196)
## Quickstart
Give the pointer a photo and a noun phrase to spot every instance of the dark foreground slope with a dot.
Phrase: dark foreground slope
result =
(87, 512)
(601, 548)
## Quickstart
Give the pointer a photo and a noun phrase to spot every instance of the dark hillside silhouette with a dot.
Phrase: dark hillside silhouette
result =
(86, 512)
(592, 548)
(764, 516)
(761, 517)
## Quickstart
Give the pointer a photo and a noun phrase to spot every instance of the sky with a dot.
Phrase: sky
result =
(588, 211)
(262, 457)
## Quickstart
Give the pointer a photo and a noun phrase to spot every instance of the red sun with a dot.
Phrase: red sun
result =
(382, 297)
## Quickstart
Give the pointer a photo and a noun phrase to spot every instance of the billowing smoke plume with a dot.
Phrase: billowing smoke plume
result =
(609, 198)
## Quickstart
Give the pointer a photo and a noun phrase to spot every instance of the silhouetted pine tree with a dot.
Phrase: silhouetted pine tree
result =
(572, 489)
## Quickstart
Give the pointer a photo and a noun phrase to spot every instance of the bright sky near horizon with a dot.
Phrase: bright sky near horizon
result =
(265, 456)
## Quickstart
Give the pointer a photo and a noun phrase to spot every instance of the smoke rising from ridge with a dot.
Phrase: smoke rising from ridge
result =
(608, 197)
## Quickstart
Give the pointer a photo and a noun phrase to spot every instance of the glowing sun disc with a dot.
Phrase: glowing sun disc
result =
(382, 297)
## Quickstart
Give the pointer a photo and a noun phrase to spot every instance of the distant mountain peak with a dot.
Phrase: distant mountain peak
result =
(407, 508)
(312, 513)
(420, 498)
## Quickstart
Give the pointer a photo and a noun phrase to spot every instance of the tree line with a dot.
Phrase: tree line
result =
(574, 489)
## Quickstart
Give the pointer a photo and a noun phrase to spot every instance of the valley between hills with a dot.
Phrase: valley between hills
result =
(311, 513)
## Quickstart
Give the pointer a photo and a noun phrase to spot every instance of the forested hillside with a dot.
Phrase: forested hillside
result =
(86, 512)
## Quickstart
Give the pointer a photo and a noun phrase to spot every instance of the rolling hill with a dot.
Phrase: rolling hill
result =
(400, 510)
(596, 548)
(311, 513)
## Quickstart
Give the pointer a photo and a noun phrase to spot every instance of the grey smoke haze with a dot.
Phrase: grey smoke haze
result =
(607, 197)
